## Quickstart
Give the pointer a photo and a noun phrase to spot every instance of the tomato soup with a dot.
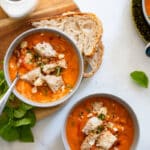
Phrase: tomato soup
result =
(25, 59)
(116, 115)
(147, 6)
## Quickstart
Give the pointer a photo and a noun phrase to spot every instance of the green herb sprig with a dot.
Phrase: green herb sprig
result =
(17, 118)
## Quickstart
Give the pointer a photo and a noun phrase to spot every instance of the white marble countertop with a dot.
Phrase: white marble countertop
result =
(124, 53)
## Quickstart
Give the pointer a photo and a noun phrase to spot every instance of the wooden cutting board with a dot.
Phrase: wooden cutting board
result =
(10, 28)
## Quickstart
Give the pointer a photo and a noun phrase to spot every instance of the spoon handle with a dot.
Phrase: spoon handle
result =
(4, 99)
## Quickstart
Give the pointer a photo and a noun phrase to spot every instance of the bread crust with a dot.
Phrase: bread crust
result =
(97, 62)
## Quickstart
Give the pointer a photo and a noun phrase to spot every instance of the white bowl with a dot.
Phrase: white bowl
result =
(13, 46)
(118, 100)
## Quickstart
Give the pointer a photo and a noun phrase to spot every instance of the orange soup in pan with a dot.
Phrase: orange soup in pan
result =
(147, 6)
(116, 124)
(25, 59)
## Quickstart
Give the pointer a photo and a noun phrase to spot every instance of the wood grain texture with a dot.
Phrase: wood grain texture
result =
(10, 28)
(47, 4)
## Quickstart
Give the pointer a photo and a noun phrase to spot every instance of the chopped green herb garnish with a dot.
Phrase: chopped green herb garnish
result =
(28, 51)
(17, 118)
(41, 64)
(36, 56)
(99, 129)
(101, 116)
(58, 71)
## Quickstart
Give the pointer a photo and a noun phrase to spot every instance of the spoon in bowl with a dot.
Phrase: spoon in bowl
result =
(4, 99)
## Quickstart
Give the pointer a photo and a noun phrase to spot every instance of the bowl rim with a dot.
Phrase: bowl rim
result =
(13, 45)
(145, 13)
(116, 99)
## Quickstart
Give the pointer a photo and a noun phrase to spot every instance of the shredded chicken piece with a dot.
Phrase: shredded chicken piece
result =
(91, 124)
(38, 82)
(28, 58)
(103, 111)
(34, 89)
(54, 82)
(98, 108)
(48, 68)
(106, 140)
(61, 56)
(89, 115)
(62, 63)
(31, 76)
(89, 141)
(24, 44)
(45, 49)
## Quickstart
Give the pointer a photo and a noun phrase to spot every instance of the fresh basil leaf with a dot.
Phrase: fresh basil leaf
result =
(12, 97)
(1, 74)
(31, 115)
(10, 112)
(26, 134)
(19, 113)
(25, 106)
(140, 78)
(3, 88)
(3, 119)
(13, 102)
(9, 133)
(3, 84)
(22, 122)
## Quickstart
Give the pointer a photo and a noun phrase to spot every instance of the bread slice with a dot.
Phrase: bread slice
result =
(85, 28)
(93, 63)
